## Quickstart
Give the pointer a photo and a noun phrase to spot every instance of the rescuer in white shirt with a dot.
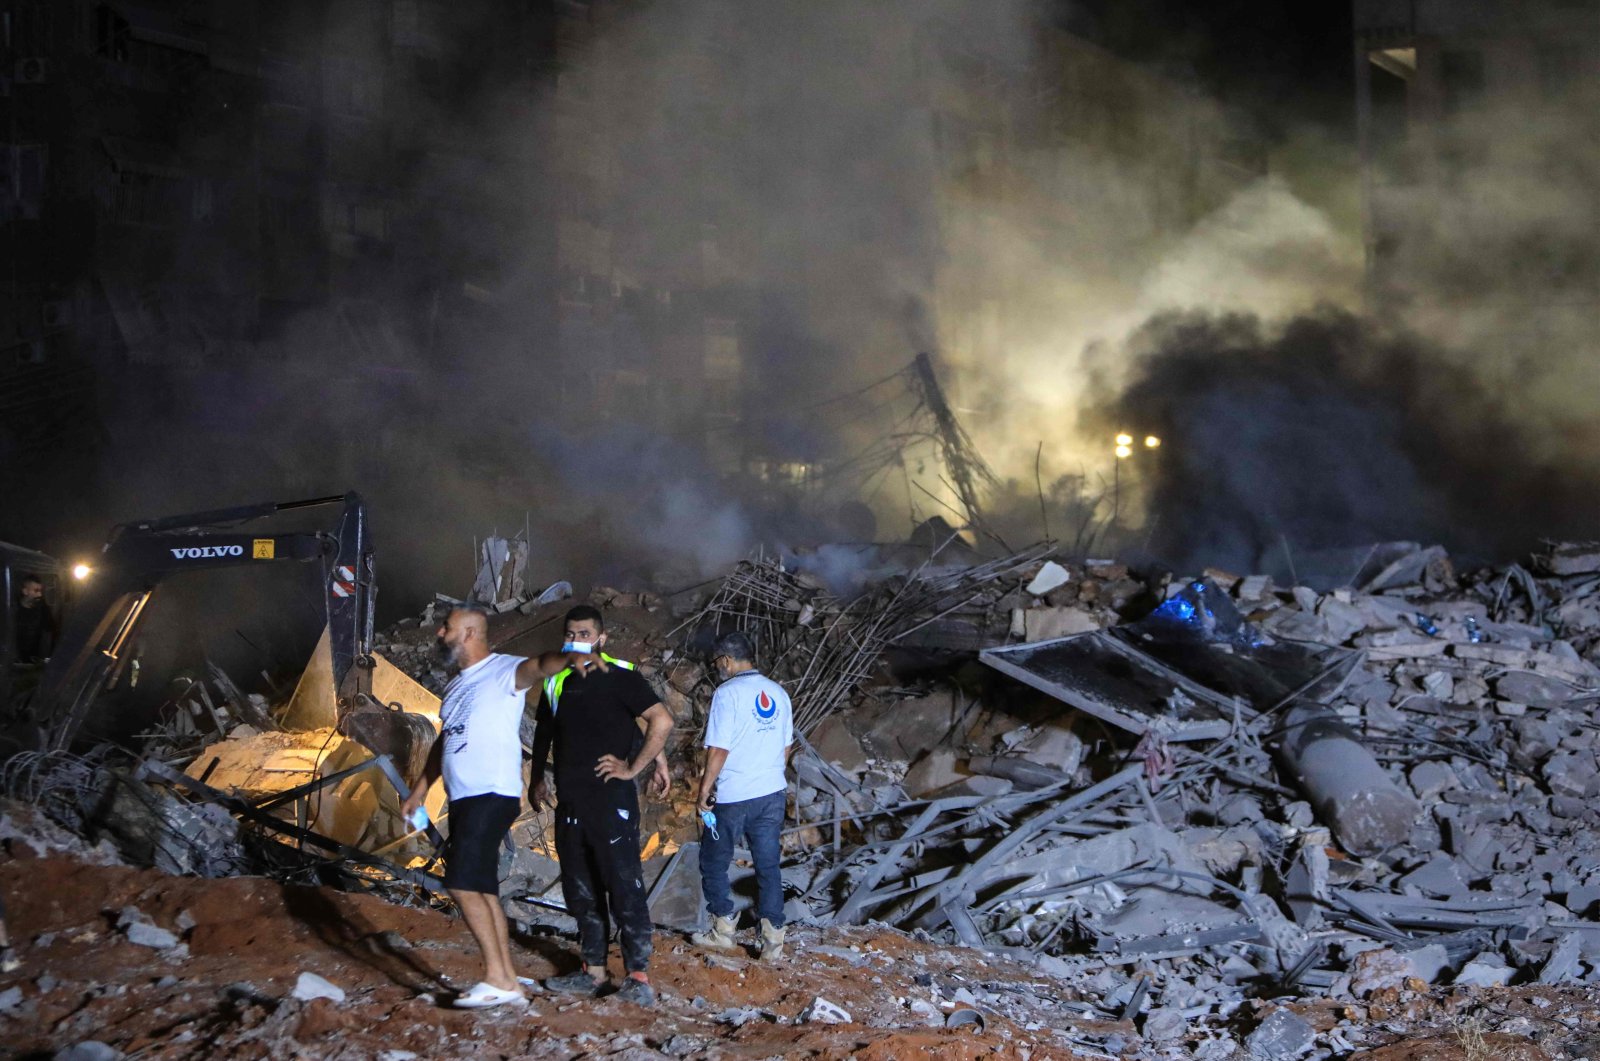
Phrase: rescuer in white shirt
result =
(749, 730)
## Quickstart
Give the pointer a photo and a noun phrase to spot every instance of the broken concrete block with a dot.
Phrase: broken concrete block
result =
(1438, 685)
(1488, 969)
(309, 986)
(1535, 690)
(1306, 885)
(821, 1011)
(1045, 624)
(1240, 808)
(1429, 779)
(1562, 964)
(978, 785)
(837, 745)
(1438, 877)
(911, 727)
(1569, 773)
(1375, 970)
(1165, 1024)
(1217, 1046)
(933, 772)
(1054, 746)
(1581, 898)
(1281, 1036)
(10, 1000)
(1294, 625)
(147, 935)
(1428, 963)
(1342, 620)
(1253, 587)
(1572, 558)
(1051, 576)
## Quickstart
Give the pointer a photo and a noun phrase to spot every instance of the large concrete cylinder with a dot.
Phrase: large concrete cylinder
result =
(1348, 790)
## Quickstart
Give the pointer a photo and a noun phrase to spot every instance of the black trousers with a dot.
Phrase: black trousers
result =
(597, 841)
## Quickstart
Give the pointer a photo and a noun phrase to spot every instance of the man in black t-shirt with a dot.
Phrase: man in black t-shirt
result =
(591, 724)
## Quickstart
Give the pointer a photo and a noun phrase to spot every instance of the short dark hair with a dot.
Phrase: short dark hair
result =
(31, 577)
(736, 645)
(586, 611)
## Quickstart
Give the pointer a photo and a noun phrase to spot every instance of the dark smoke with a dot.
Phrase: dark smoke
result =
(1328, 434)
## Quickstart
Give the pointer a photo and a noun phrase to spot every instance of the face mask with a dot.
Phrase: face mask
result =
(578, 646)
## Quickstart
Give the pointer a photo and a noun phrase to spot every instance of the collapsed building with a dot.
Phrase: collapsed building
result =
(1176, 795)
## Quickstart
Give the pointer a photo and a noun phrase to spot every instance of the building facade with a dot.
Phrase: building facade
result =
(1478, 125)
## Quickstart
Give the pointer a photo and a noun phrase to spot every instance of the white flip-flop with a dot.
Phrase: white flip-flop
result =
(483, 995)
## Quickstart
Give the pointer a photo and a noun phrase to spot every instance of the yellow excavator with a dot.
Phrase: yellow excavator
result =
(95, 646)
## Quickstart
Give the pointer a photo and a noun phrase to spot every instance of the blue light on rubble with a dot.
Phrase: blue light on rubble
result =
(1179, 608)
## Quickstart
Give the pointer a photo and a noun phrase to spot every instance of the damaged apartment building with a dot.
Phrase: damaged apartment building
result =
(1477, 127)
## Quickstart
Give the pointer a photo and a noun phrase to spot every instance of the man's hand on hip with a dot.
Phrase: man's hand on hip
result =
(611, 768)
(660, 779)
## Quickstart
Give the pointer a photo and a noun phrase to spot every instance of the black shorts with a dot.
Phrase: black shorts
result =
(472, 853)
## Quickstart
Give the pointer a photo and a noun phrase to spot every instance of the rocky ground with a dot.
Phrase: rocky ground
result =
(156, 966)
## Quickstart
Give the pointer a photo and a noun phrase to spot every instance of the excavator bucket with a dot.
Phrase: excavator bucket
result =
(395, 717)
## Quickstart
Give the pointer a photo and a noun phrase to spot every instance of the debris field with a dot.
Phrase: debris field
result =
(1104, 812)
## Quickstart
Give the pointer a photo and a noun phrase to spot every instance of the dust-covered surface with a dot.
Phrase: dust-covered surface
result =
(225, 988)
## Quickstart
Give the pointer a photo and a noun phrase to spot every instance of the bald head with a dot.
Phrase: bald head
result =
(464, 636)
(471, 619)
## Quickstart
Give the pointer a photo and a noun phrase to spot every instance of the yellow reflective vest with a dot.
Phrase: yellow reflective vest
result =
(554, 683)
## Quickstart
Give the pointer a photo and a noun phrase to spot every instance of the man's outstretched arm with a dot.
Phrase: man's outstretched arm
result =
(535, 669)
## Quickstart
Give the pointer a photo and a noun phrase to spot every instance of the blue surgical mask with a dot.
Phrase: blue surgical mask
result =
(585, 647)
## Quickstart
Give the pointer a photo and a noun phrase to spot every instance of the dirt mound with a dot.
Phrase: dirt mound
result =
(224, 986)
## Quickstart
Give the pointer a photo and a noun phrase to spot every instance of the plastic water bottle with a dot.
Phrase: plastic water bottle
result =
(1473, 633)
(1427, 625)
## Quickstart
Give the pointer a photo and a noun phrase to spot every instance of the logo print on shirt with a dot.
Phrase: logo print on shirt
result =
(766, 706)
(454, 715)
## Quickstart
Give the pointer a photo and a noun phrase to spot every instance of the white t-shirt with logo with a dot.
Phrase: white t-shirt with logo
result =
(479, 721)
(750, 717)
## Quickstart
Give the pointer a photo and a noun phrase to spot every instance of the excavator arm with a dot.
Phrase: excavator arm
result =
(139, 556)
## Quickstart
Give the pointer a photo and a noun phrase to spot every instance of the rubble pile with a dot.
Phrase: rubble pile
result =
(1179, 868)
(1317, 793)
(1181, 796)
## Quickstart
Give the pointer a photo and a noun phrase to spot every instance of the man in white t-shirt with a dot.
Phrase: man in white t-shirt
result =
(749, 730)
(478, 752)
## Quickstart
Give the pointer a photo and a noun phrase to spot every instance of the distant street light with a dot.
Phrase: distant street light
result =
(1123, 450)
